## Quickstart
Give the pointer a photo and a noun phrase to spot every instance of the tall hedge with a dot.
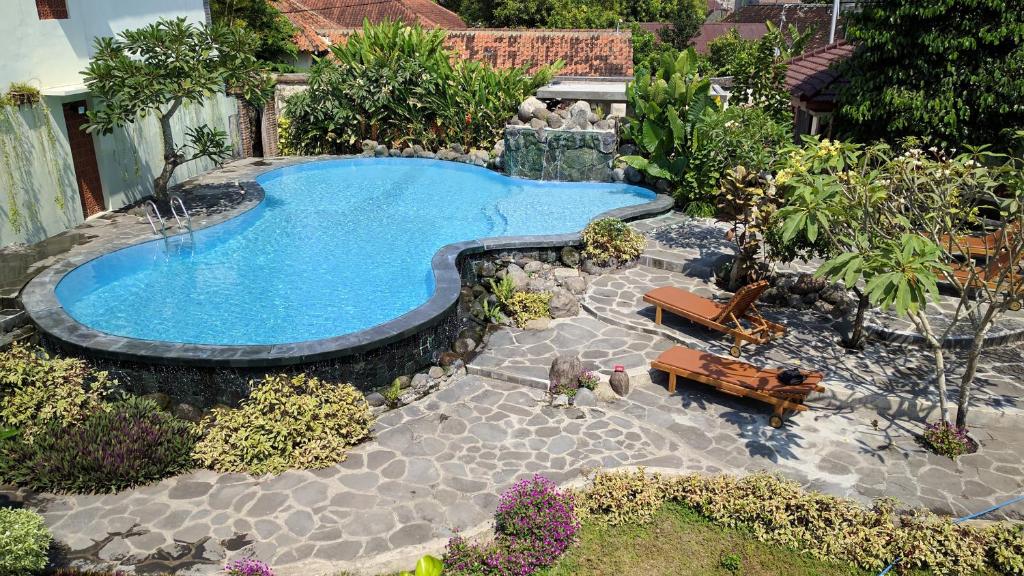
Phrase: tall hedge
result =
(947, 70)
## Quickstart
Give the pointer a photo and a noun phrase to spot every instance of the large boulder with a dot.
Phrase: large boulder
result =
(563, 304)
(565, 370)
(570, 257)
(529, 108)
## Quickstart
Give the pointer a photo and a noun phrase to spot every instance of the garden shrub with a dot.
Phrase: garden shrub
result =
(128, 444)
(248, 567)
(611, 239)
(36, 389)
(535, 523)
(1005, 548)
(398, 85)
(286, 422)
(948, 440)
(526, 306)
(24, 542)
(780, 512)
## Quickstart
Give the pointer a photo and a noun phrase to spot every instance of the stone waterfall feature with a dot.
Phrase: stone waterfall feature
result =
(574, 144)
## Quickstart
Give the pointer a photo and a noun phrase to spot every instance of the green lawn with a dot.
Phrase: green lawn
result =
(679, 542)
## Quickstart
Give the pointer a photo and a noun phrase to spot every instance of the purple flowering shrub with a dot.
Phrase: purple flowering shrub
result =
(248, 567)
(125, 444)
(948, 440)
(535, 523)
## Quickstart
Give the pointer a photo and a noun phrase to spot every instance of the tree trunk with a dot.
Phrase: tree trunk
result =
(171, 157)
(856, 338)
(925, 328)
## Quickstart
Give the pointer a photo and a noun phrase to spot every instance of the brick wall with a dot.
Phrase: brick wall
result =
(52, 9)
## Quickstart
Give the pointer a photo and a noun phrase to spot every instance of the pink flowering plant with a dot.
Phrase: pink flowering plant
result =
(248, 567)
(535, 523)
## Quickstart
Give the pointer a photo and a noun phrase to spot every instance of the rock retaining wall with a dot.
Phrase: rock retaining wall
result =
(572, 144)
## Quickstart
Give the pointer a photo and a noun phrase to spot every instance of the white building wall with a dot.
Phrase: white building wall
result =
(52, 53)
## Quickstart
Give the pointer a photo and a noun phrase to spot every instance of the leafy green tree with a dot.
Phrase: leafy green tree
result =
(274, 30)
(161, 67)
(573, 13)
(946, 70)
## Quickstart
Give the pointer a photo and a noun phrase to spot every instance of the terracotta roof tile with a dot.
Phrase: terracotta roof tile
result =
(351, 13)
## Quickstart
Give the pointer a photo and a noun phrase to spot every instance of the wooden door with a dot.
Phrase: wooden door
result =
(83, 154)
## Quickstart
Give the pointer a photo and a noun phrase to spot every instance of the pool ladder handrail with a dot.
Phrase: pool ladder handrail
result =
(152, 210)
(176, 202)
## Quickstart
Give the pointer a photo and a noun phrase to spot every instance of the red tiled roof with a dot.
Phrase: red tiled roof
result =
(586, 53)
(711, 30)
(812, 78)
(352, 13)
(804, 16)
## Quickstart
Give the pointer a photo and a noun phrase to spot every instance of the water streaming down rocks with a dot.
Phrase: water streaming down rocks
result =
(572, 144)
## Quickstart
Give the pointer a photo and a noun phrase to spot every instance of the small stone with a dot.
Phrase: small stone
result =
(458, 149)
(563, 304)
(570, 257)
(633, 175)
(605, 393)
(403, 382)
(555, 121)
(519, 277)
(394, 152)
(533, 266)
(368, 146)
(435, 372)
(619, 175)
(529, 107)
(537, 324)
(160, 399)
(187, 412)
(806, 284)
(448, 359)
(584, 398)
(541, 114)
(538, 124)
(464, 346)
(560, 401)
(375, 399)
(408, 152)
(823, 307)
(663, 186)
(603, 125)
(575, 285)
(563, 273)
(420, 381)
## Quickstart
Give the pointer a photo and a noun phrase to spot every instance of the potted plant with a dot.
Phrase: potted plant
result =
(21, 93)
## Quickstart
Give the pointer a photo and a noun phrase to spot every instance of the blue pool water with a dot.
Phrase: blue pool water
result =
(335, 247)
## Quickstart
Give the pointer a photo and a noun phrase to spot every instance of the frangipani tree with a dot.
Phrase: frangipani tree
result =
(161, 67)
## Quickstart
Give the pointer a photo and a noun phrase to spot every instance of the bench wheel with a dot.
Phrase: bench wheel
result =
(735, 351)
(775, 421)
(1015, 305)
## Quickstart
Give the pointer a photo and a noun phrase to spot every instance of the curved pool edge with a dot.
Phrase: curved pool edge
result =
(41, 303)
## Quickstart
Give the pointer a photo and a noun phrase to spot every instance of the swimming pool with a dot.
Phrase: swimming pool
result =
(336, 247)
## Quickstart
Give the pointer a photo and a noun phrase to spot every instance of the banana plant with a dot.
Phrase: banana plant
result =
(667, 104)
(427, 566)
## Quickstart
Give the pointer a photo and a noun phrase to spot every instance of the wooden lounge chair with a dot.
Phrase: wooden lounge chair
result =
(738, 317)
(988, 277)
(738, 379)
(981, 246)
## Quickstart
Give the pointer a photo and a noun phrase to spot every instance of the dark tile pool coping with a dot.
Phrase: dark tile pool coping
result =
(40, 302)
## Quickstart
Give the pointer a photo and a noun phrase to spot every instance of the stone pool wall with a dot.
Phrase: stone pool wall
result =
(570, 143)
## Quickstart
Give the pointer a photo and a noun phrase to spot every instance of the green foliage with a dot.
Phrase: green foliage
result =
(526, 306)
(24, 542)
(947, 440)
(129, 443)
(747, 201)
(570, 13)
(274, 30)
(159, 68)
(392, 393)
(503, 289)
(686, 24)
(397, 85)
(948, 72)
(668, 103)
(36, 390)
(286, 422)
(612, 239)
(779, 512)
(1006, 548)
(25, 93)
(731, 562)
(427, 566)
(758, 67)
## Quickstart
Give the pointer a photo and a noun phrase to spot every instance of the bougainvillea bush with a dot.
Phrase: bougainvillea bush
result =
(248, 567)
(535, 523)
(126, 444)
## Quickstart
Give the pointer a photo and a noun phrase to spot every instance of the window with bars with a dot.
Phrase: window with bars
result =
(52, 9)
